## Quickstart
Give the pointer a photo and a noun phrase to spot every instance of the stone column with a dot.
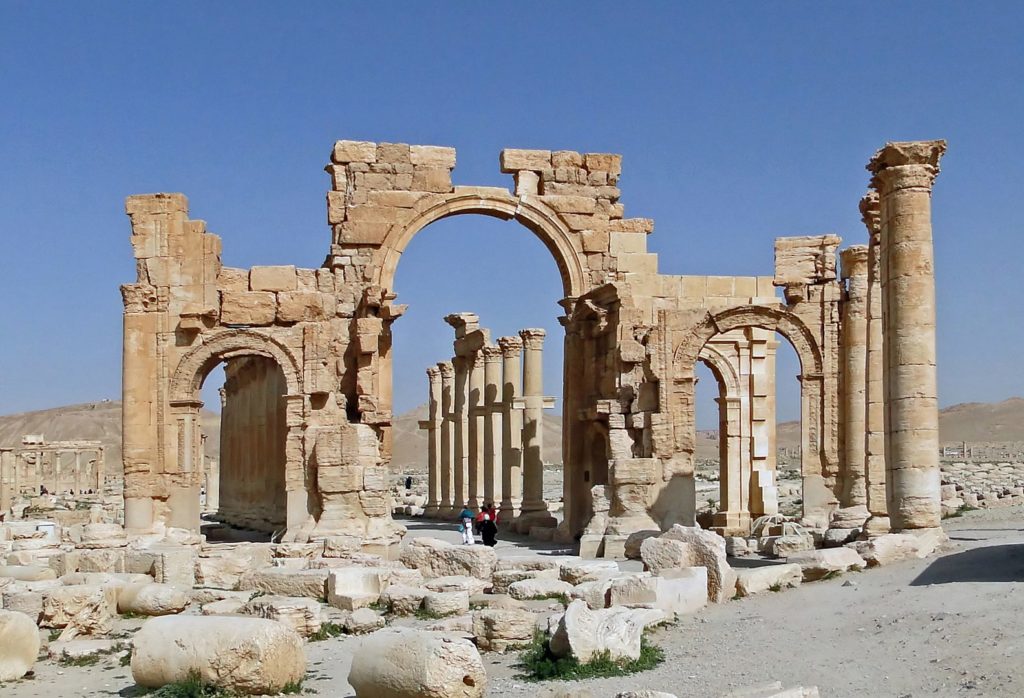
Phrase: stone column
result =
(446, 452)
(493, 493)
(534, 507)
(853, 339)
(460, 433)
(433, 426)
(511, 430)
(874, 395)
(476, 430)
(903, 176)
(7, 491)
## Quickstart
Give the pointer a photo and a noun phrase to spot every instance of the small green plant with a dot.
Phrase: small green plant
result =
(540, 664)
(832, 574)
(131, 615)
(553, 596)
(326, 632)
(192, 687)
(54, 635)
(379, 607)
(126, 659)
(292, 688)
(775, 587)
(424, 614)
(86, 660)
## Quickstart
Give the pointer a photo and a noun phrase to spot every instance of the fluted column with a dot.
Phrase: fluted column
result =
(534, 506)
(853, 339)
(433, 442)
(492, 425)
(460, 432)
(511, 429)
(476, 430)
(445, 451)
(874, 394)
(904, 174)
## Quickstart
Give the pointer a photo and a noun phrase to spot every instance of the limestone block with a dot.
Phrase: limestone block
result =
(231, 279)
(446, 603)
(661, 553)
(503, 578)
(248, 308)
(403, 600)
(582, 633)
(222, 566)
(432, 156)
(363, 621)
(526, 589)
(354, 151)
(893, 547)
(834, 537)
(89, 607)
(497, 630)
(167, 564)
(98, 535)
(151, 599)
(815, 564)
(470, 585)
(757, 580)
(102, 560)
(79, 649)
(304, 306)
(707, 549)
(19, 645)
(284, 582)
(531, 562)
(496, 601)
(245, 655)
(436, 558)
(849, 517)
(277, 278)
(299, 613)
(407, 663)
(594, 594)
(587, 571)
(785, 546)
(682, 591)
(605, 162)
(512, 159)
(432, 179)
(349, 588)
(27, 573)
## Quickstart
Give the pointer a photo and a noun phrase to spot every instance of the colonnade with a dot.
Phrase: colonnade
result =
(485, 426)
(62, 467)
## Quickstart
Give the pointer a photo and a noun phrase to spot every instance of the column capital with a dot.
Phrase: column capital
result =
(871, 212)
(854, 261)
(533, 337)
(906, 165)
(510, 347)
(434, 373)
(463, 323)
(446, 369)
(492, 355)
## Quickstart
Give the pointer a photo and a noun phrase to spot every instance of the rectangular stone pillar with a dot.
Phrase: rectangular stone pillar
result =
(511, 430)
(853, 339)
(446, 451)
(903, 176)
(493, 493)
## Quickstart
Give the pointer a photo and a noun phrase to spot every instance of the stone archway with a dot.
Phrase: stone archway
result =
(818, 498)
(271, 492)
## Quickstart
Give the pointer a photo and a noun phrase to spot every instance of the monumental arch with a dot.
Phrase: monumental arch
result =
(308, 354)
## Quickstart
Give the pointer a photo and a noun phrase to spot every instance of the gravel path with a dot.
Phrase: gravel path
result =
(946, 626)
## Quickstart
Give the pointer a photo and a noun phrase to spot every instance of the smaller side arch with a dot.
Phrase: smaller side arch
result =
(226, 344)
(723, 369)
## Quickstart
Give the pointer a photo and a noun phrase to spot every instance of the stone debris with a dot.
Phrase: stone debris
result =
(446, 603)
(350, 588)
(816, 564)
(151, 599)
(706, 549)
(526, 589)
(19, 645)
(89, 608)
(893, 547)
(284, 582)
(301, 614)
(675, 591)
(80, 649)
(363, 621)
(436, 558)
(498, 630)
(586, 571)
(403, 600)
(250, 656)
(407, 663)
(757, 580)
(582, 633)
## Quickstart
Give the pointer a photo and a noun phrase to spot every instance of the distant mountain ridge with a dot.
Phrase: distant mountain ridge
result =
(974, 422)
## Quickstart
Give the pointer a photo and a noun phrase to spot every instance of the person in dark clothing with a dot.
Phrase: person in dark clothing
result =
(489, 531)
(408, 482)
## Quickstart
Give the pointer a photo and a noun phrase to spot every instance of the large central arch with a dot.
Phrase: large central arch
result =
(530, 212)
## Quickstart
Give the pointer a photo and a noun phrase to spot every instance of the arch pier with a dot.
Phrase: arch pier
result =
(309, 351)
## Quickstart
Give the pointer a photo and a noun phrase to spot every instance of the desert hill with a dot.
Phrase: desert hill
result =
(974, 422)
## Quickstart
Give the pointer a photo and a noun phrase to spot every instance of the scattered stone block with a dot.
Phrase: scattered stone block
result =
(446, 603)
(437, 558)
(757, 580)
(582, 633)
(151, 599)
(19, 645)
(250, 656)
(283, 582)
(540, 589)
(363, 621)
(816, 564)
(586, 571)
(497, 629)
(407, 663)
(403, 600)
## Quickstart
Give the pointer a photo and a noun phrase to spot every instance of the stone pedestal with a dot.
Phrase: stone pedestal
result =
(904, 174)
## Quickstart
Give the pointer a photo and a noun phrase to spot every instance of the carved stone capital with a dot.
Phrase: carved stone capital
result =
(491, 355)
(906, 165)
(434, 374)
(870, 213)
(510, 347)
(463, 323)
(854, 261)
(533, 337)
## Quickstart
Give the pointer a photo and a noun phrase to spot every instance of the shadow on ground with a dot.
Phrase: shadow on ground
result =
(994, 563)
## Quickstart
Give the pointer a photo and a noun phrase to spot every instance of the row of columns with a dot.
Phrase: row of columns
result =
(485, 432)
(890, 421)
(60, 466)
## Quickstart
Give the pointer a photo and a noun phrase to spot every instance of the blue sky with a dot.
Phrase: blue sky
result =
(738, 123)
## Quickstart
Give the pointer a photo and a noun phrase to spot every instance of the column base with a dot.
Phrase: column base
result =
(507, 512)
(430, 510)
(529, 519)
(877, 526)
(731, 523)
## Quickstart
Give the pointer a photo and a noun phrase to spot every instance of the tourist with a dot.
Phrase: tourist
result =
(466, 525)
(408, 482)
(489, 531)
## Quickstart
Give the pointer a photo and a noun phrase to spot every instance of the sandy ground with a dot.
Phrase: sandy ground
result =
(946, 626)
